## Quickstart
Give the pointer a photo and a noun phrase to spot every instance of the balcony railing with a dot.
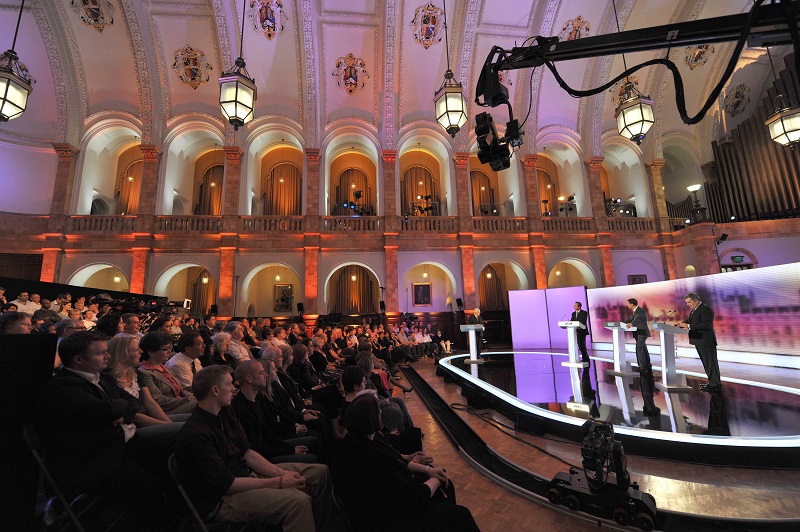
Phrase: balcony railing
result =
(569, 225)
(193, 224)
(443, 224)
(102, 224)
(631, 225)
(364, 224)
(262, 224)
(495, 224)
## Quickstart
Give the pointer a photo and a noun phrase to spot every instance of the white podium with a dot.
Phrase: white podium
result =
(670, 380)
(575, 361)
(473, 346)
(622, 371)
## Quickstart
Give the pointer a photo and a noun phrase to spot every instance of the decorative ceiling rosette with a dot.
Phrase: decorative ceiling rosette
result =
(96, 14)
(350, 73)
(575, 29)
(191, 66)
(428, 24)
(697, 55)
(267, 17)
(736, 101)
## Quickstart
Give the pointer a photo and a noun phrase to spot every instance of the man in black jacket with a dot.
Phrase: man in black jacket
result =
(581, 316)
(701, 335)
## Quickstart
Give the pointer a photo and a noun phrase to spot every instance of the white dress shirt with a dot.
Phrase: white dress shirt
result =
(181, 367)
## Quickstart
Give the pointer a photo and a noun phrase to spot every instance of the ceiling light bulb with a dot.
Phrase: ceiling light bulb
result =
(693, 188)
(353, 277)
(130, 178)
(558, 273)
(352, 185)
(278, 277)
(117, 279)
(205, 279)
(213, 184)
(488, 275)
(424, 275)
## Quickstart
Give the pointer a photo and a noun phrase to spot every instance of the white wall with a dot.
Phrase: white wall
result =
(27, 179)
(768, 251)
(637, 262)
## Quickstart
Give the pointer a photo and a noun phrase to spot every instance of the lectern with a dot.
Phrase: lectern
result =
(473, 346)
(670, 380)
(575, 361)
(622, 372)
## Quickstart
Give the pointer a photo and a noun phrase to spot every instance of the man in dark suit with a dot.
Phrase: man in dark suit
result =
(476, 319)
(581, 316)
(206, 330)
(701, 335)
(641, 332)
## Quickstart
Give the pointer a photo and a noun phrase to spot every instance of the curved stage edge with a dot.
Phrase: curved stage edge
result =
(774, 452)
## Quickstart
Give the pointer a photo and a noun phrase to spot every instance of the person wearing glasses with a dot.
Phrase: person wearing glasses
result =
(164, 387)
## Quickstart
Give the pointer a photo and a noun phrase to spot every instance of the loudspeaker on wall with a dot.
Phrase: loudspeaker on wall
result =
(300, 308)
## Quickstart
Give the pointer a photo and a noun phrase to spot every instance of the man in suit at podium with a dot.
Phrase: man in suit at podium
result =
(476, 319)
(581, 316)
(638, 320)
(701, 335)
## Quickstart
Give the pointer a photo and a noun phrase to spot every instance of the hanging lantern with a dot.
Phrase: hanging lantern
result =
(784, 125)
(451, 107)
(237, 95)
(15, 81)
(634, 115)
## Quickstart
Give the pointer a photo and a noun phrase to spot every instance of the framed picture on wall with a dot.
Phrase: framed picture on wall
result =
(422, 294)
(637, 279)
(284, 295)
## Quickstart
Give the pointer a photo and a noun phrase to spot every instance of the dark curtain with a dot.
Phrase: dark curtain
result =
(493, 292)
(283, 190)
(416, 185)
(203, 295)
(210, 193)
(353, 297)
(547, 193)
(482, 194)
(344, 193)
(127, 192)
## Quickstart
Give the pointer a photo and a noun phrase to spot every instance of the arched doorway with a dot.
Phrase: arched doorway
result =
(102, 276)
(188, 281)
(271, 289)
(571, 272)
(494, 282)
(353, 289)
(437, 282)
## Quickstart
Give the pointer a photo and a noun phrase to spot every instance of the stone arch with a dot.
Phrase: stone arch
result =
(257, 288)
(571, 272)
(506, 274)
(746, 252)
(100, 275)
(350, 137)
(627, 175)
(326, 285)
(440, 276)
(433, 142)
(562, 146)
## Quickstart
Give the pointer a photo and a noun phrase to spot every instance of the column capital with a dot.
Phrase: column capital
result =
(461, 159)
(389, 156)
(150, 151)
(529, 161)
(594, 162)
(232, 153)
(65, 151)
(656, 164)
(313, 155)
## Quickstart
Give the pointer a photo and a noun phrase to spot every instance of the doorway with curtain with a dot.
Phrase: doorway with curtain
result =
(209, 192)
(483, 195)
(353, 195)
(129, 183)
(353, 289)
(419, 194)
(282, 190)
(493, 287)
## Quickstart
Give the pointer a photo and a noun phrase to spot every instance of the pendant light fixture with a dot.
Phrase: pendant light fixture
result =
(634, 114)
(237, 90)
(15, 81)
(784, 124)
(450, 105)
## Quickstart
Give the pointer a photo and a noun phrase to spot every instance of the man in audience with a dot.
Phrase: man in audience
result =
(15, 323)
(130, 323)
(89, 440)
(223, 472)
(294, 334)
(46, 313)
(25, 305)
(254, 413)
(3, 296)
(189, 325)
(238, 352)
(185, 365)
(61, 299)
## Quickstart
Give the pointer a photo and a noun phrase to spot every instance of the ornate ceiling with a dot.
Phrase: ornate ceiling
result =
(319, 64)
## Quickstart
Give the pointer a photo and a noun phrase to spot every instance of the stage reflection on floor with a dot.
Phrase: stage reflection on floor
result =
(741, 410)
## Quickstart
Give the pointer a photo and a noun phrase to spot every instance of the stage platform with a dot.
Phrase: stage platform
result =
(754, 423)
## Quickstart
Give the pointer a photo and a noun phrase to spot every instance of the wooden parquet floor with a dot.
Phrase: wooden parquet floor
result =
(713, 491)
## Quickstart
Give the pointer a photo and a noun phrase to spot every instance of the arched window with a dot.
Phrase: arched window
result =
(353, 195)
(128, 186)
(483, 202)
(353, 291)
(209, 194)
(419, 195)
(282, 190)
(548, 191)
(203, 290)
(493, 288)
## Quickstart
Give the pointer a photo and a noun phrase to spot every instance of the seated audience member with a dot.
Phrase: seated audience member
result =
(237, 350)
(189, 325)
(153, 374)
(46, 313)
(25, 305)
(300, 370)
(390, 406)
(47, 327)
(392, 494)
(249, 333)
(130, 325)
(186, 363)
(223, 474)
(177, 327)
(110, 325)
(90, 442)
(220, 345)
(257, 414)
(317, 357)
(161, 324)
(89, 321)
(15, 323)
(279, 336)
(206, 330)
(442, 344)
(10, 307)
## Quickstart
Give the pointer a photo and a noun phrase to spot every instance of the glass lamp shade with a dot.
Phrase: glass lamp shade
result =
(237, 95)
(784, 126)
(451, 107)
(635, 118)
(14, 87)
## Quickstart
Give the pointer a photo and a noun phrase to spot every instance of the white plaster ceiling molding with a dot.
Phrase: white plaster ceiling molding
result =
(191, 66)
(736, 100)
(697, 55)
(350, 73)
(428, 25)
(575, 29)
(96, 14)
(390, 96)
(267, 17)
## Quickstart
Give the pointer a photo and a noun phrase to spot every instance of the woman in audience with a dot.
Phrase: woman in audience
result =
(156, 349)
(161, 324)
(221, 343)
(301, 372)
(110, 325)
(392, 494)
(366, 361)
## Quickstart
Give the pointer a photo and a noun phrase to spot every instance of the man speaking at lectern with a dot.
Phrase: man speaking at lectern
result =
(476, 319)
(581, 316)
(641, 334)
(701, 335)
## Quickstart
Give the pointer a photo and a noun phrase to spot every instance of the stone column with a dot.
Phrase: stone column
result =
(669, 262)
(139, 270)
(607, 265)
(231, 184)
(390, 215)
(659, 201)
(705, 248)
(312, 177)
(468, 274)
(51, 264)
(462, 191)
(148, 190)
(65, 182)
(593, 165)
(539, 265)
(227, 270)
(533, 203)
(311, 276)
(391, 295)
